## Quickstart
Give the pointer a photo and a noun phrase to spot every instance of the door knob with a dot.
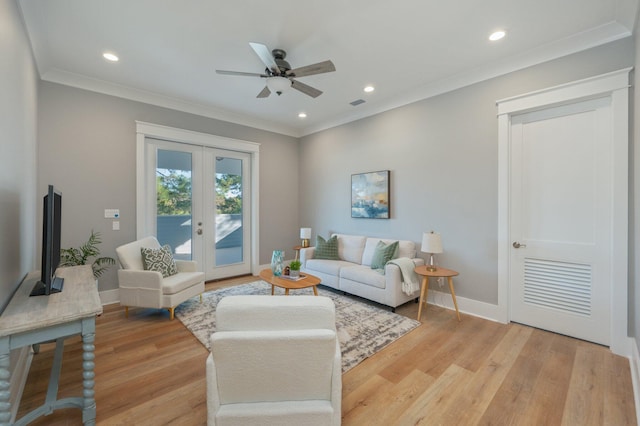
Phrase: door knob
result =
(199, 231)
(518, 245)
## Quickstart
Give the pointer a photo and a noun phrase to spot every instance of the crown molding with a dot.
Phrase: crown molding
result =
(107, 88)
(603, 34)
(595, 37)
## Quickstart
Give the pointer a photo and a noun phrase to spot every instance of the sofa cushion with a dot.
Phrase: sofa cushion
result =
(383, 253)
(159, 260)
(330, 267)
(326, 249)
(365, 275)
(350, 247)
(405, 249)
(181, 281)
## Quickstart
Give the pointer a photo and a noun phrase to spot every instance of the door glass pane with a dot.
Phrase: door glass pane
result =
(228, 198)
(174, 202)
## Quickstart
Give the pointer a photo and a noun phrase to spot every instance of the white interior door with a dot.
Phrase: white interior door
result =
(560, 219)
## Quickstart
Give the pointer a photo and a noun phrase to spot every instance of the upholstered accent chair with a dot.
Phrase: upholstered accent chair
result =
(149, 289)
(275, 360)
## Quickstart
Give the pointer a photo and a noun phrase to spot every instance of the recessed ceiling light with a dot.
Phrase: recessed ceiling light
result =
(110, 57)
(497, 35)
(369, 89)
(302, 115)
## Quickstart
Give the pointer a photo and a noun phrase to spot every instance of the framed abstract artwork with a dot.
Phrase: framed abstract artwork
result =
(370, 195)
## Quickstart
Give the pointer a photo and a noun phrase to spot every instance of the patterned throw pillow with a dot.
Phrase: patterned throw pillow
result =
(326, 249)
(383, 253)
(160, 260)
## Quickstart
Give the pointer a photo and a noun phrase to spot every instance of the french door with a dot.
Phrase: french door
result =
(198, 200)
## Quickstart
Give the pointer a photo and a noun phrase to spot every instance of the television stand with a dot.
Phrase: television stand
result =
(28, 321)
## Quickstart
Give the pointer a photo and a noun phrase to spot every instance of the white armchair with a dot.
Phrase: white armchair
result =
(275, 360)
(148, 289)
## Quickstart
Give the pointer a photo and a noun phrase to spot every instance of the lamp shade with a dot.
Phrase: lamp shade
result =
(431, 242)
(305, 233)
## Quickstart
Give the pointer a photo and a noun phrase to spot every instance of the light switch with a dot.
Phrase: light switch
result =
(116, 225)
(111, 213)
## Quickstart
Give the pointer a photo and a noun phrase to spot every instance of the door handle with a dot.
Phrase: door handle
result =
(199, 231)
(518, 245)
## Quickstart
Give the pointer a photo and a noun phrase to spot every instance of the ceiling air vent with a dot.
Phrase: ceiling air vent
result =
(357, 102)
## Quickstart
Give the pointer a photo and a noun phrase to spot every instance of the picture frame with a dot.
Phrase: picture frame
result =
(370, 195)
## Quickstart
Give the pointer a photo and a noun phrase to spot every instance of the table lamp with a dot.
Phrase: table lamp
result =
(305, 234)
(431, 244)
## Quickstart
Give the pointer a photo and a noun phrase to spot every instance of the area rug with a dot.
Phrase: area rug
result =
(363, 329)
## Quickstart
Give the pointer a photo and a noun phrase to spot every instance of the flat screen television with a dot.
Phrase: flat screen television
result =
(51, 224)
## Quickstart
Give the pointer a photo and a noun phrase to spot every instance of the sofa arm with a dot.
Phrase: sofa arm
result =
(306, 254)
(139, 279)
(187, 265)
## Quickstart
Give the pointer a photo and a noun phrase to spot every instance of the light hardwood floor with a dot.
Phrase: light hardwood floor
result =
(150, 371)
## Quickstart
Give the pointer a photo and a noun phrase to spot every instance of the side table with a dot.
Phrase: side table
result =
(438, 273)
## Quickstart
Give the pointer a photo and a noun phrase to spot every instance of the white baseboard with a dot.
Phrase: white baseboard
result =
(634, 364)
(467, 306)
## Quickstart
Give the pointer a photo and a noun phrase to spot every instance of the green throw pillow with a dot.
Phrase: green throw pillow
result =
(383, 253)
(160, 260)
(326, 249)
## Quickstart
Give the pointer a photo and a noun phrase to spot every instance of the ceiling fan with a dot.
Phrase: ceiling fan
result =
(279, 74)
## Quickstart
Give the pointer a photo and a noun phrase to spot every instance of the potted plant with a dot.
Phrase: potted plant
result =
(82, 256)
(294, 268)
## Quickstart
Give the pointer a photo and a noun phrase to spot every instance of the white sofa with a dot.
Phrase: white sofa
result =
(353, 274)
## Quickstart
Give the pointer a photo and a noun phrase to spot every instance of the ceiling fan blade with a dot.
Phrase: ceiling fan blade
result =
(264, 93)
(319, 68)
(306, 89)
(265, 56)
(244, 74)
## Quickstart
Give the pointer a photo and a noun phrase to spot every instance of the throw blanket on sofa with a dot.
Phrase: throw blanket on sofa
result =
(410, 282)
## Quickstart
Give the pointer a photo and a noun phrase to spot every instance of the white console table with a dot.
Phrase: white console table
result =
(32, 320)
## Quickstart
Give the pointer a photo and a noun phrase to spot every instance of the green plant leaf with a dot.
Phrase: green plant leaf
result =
(81, 255)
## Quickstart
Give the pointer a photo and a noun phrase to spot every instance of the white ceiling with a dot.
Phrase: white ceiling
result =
(409, 49)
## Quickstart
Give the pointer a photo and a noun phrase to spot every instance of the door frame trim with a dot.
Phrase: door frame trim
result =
(614, 85)
(145, 130)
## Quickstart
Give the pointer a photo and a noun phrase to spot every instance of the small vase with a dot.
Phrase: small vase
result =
(277, 262)
(294, 273)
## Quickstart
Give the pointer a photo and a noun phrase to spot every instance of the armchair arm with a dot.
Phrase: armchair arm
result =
(140, 288)
(140, 279)
(187, 265)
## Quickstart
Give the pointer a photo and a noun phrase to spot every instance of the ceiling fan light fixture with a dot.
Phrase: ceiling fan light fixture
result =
(278, 84)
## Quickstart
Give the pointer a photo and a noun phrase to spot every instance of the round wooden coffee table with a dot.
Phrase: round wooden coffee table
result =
(288, 284)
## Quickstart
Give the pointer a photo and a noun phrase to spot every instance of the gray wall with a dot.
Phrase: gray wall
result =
(86, 146)
(442, 153)
(18, 108)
